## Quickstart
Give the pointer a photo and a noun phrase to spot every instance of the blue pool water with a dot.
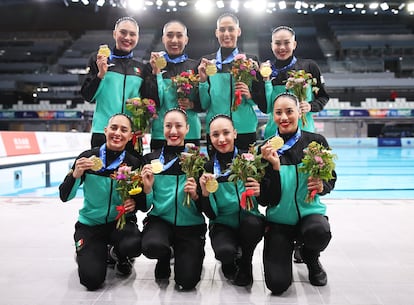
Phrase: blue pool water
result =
(363, 173)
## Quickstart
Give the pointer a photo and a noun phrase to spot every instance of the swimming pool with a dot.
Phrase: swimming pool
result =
(363, 173)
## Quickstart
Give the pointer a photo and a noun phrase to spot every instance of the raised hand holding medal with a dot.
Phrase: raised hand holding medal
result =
(156, 166)
(97, 163)
(212, 185)
(276, 142)
(265, 69)
(160, 61)
(211, 68)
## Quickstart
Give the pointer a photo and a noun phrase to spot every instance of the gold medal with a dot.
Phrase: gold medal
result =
(276, 142)
(161, 62)
(265, 70)
(104, 50)
(97, 163)
(156, 166)
(212, 185)
(211, 69)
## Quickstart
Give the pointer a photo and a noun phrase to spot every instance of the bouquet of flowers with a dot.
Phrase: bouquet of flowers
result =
(318, 162)
(129, 183)
(243, 70)
(247, 165)
(142, 110)
(298, 82)
(192, 164)
(185, 82)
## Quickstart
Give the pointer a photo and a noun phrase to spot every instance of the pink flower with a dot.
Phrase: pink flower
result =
(240, 57)
(248, 156)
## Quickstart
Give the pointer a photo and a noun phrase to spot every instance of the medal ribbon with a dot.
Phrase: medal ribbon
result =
(176, 60)
(229, 59)
(112, 56)
(289, 143)
(216, 165)
(170, 163)
(276, 71)
(117, 162)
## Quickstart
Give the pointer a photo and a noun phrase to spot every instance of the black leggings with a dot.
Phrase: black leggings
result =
(226, 240)
(188, 244)
(313, 230)
(92, 249)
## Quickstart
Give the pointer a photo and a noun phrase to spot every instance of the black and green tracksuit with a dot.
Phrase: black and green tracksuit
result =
(170, 223)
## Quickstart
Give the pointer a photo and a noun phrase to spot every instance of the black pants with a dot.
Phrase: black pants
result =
(313, 230)
(92, 249)
(226, 241)
(242, 142)
(188, 243)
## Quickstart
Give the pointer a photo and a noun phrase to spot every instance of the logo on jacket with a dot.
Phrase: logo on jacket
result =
(137, 71)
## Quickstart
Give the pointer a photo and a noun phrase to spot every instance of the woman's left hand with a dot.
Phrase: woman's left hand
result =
(315, 184)
(129, 205)
(244, 89)
(252, 184)
(190, 187)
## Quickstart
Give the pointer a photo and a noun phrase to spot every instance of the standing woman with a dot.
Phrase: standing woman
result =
(113, 79)
(290, 218)
(170, 224)
(283, 45)
(231, 227)
(217, 92)
(174, 39)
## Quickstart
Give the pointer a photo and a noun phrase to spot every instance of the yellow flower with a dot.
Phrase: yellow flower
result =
(135, 191)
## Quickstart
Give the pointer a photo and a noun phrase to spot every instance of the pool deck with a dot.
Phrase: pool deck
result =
(370, 261)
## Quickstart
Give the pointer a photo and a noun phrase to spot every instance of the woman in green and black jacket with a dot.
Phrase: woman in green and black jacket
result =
(96, 225)
(170, 223)
(161, 85)
(112, 80)
(217, 92)
(290, 218)
(233, 227)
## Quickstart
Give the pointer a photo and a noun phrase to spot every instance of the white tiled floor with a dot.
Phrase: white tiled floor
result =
(370, 261)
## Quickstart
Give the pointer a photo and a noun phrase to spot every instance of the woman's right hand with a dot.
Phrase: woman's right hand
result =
(102, 63)
(81, 165)
(202, 70)
(203, 180)
(270, 154)
(147, 178)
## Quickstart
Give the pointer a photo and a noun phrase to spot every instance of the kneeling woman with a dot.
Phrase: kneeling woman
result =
(290, 218)
(170, 224)
(233, 228)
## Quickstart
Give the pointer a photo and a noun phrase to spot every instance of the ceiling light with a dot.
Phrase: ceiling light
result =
(298, 5)
(374, 5)
(220, 4)
(235, 5)
(384, 6)
(282, 5)
(359, 5)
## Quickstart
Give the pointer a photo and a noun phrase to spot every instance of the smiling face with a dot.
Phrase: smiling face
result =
(174, 38)
(222, 134)
(175, 128)
(283, 44)
(118, 132)
(286, 114)
(227, 32)
(126, 35)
